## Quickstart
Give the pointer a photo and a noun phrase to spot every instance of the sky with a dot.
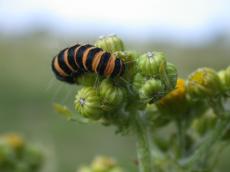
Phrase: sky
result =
(180, 19)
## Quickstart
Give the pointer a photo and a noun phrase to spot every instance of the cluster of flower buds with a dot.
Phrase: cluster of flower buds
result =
(16, 155)
(101, 164)
(146, 96)
(155, 76)
(146, 79)
(96, 103)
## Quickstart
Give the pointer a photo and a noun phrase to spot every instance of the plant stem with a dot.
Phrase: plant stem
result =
(181, 137)
(212, 138)
(143, 149)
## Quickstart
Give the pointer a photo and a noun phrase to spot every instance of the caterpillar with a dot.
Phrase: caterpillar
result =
(72, 62)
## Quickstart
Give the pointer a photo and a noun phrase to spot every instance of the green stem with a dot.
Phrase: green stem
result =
(143, 150)
(181, 137)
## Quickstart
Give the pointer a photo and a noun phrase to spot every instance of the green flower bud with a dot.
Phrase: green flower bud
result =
(103, 164)
(110, 43)
(129, 58)
(156, 120)
(224, 76)
(116, 169)
(138, 81)
(171, 79)
(84, 169)
(149, 64)
(33, 157)
(7, 154)
(204, 124)
(87, 103)
(202, 83)
(88, 79)
(152, 89)
(111, 95)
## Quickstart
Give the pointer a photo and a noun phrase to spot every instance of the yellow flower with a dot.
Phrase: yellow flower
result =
(175, 101)
(14, 140)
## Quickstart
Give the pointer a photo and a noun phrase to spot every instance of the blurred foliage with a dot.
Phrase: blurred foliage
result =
(16, 155)
(28, 90)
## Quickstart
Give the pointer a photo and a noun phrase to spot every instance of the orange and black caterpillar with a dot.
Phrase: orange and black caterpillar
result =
(78, 59)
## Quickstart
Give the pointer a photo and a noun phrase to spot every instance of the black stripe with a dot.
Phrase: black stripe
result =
(80, 53)
(62, 64)
(122, 68)
(90, 58)
(67, 79)
(116, 68)
(76, 74)
(70, 57)
(103, 63)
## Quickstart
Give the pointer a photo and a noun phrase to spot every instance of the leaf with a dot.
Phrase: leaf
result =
(68, 115)
(63, 110)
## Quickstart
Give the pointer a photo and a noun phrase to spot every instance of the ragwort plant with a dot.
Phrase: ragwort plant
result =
(149, 97)
(16, 155)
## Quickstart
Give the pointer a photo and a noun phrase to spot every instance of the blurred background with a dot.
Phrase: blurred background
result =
(192, 34)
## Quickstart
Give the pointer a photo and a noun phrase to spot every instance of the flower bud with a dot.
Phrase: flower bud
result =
(33, 157)
(202, 83)
(14, 141)
(84, 169)
(149, 64)
(7, 154)
(138, 81)
(111, 95)
(156, 120)
(152, 89)
(171, 74)
(224, 76)
(110, 43)
(88, 79)
(129, 58)
(116, 169)
(204, 124)
(87, 103)
(103, 164)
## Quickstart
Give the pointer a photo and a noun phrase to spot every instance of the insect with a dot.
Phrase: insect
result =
(78, 59)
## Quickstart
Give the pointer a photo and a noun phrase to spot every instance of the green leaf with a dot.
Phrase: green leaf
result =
(63, 111)
(69, 115)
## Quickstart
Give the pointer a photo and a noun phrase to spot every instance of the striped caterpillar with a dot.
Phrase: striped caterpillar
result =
(78, 59)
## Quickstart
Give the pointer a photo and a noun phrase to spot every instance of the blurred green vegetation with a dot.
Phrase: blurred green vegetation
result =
(28, 89)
